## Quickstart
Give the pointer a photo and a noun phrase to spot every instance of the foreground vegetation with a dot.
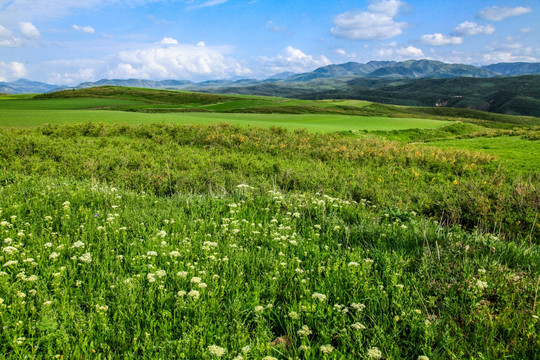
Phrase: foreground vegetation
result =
(218, 241)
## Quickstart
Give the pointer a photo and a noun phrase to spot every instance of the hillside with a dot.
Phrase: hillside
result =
(517, 95)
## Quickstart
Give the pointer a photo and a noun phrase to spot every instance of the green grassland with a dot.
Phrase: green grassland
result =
(143, 224)
(313, 122)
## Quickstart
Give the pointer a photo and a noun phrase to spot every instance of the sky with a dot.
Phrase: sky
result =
(66, 42)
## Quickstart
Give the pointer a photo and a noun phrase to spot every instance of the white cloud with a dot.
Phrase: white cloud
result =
(387, 7)
(293, 60)
(7, 39)
(496, 13)
(168, 41)
(376, 24)
(5, 33)
(29, 30)
(410, 52)
(508, 56)
(441, 40)
(85, 29)
(209, 3)
(392, 52)
(12, 71)
(176, 61)
(468, 28)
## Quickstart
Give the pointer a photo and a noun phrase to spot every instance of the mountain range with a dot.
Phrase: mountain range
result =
(511, 88)
(410, 69)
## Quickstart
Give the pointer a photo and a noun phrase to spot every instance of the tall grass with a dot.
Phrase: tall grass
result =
(448, 186)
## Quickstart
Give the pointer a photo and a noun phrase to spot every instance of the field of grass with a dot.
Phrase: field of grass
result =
(515, 152)
(159, 234)
(312, 122)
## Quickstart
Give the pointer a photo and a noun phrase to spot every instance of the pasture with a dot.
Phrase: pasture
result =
(139, 225)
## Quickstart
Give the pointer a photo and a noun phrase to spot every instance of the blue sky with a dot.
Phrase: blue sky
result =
(71, 41)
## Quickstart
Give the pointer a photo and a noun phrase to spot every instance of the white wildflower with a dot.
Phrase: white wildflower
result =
(78, 244)
(327, 349)
(374, 353)
(318, 296)
(86, 258)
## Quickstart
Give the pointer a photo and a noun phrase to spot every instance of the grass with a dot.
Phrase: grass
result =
(515, 152)
(198, 240)
(312, 122)
(162, 241)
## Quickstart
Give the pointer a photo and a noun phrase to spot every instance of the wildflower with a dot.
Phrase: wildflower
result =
(77, 244)
(217, 351)
(151, 253)
(293, 315)
(304, 348)
(151, 277)
(161, 273)
(194, 294)
(47, 245)
(9, 250)
(174, 254)
(162, 233)
(202, 285)
(423, 357)
(11, 262)
(20, 340)
(269, 358)
(54, 255)
(353, 263)
(374, 353)
(86, 258)
(318, 296)
(21, 294)
(304, 331)
(259, 308)
(358, 326)
(327, 349)
(196, 279)
(8, 240)
(181, 293)
(246, 349)
(182, 274)
(482, 285)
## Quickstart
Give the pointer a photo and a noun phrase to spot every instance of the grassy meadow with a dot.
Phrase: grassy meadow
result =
(235, 227)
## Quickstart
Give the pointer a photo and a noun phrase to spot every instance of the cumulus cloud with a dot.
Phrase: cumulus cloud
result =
(29, 30)
(85, 29)
(177, 61)
(293, 60)
(468, 28)
(168, 41)
(393, 52)
(410, 52)
(441, 40)
(387, 7)
(497, 13)
(376, 24)
(12, 71)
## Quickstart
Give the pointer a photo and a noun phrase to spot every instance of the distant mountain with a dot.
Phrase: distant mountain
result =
(151, 84)
(281, 76)
(23, 86)
(411, 69)
(518, 68)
